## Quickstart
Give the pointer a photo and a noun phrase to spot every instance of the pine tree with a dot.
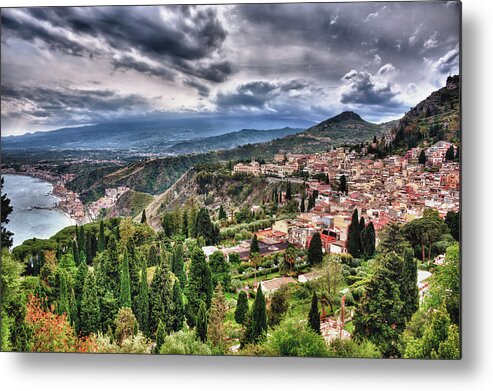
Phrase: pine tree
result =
(257, 320)
(143, 219)
(241, 310)
(315, 252)
(178, 309)
(254, 247)
(202, 321)
(125, 292)
(101, 237)
(142, 313)
(422, 157)
(314, 315)
(199, 286)
(89, 307)
(354, 236)
(217, 315)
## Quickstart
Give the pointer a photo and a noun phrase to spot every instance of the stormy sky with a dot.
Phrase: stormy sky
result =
(74, 66)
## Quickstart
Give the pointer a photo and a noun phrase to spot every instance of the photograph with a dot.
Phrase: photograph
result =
(269, 180)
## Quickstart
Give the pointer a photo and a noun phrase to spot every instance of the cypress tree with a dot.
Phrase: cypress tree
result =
(80, 278)
(450, 154)
(109, 305)
(108, 273)
(63, 299)
(81, 241)
(178, 265)
(192, 222)
(362, 224)
(257, 322)
(222, 213)
(184, 223)
(90, 319)
(368, 240)
(199, 286)
(409, 284)
(142, 313)
(315, 253)
(254, 247)
(241, 310)
(215, 330)
(202, 321)
(457, 153)
(178, 309)
(101, 237)
(160, 298)
(314, 315)
(288, 191)
(75, 252)
(354, 236)
(422, 157)
(143, 219)
(302, 204)
(205, 227)
(125, 292)
(343, 184)
(160, 335)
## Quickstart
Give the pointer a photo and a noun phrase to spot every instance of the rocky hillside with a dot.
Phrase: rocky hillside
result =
(435, 118)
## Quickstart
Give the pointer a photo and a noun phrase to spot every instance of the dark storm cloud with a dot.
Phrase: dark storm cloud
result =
(202, 89)
(361, 89)
(50, 105)
(182, 35)
(257, 94)
(127, 62)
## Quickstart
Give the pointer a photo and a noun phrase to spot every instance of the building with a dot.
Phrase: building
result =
(270, 286)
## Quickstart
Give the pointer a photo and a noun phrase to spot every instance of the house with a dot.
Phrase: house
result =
(309, 276)
(270, 286)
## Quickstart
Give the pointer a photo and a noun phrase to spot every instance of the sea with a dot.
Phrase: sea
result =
(35, 213)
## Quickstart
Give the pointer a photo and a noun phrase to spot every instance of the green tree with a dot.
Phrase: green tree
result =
(343, 188)
(199, 286)
(254, 247)
(220, 269)
(315, 253)
(160, 335)
(142, 312)
(202, 321)
(450, 154)
(409, 285)
(217, 315)
(278, 307)
(380, 318)
(302, 204)
(5, 210)
(354, 236)
(161, 298)
(107, 272)
(101, 237)
(422, 157)
(289, 191)
(392, 238)
(143, 219)
(314, 315)
(257, 322)
(178, 265)
(125, 324)
(178, 308)
(205, 228)
(241, 310)
(125, 293)
(63, 305)
(452, 219)
(368, 240)
(90, 319)
(222, 213)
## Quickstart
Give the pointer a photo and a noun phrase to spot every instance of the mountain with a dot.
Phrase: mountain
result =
(347, 127)
(435, 118)
(157, 136)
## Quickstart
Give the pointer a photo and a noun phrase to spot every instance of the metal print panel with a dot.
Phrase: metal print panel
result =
(251, 179)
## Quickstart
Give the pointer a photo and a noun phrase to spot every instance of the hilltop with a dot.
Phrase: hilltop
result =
(435, 118)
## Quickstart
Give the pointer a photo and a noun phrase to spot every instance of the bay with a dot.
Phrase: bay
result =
(34, 213)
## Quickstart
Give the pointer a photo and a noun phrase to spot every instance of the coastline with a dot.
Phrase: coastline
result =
(61, 197)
